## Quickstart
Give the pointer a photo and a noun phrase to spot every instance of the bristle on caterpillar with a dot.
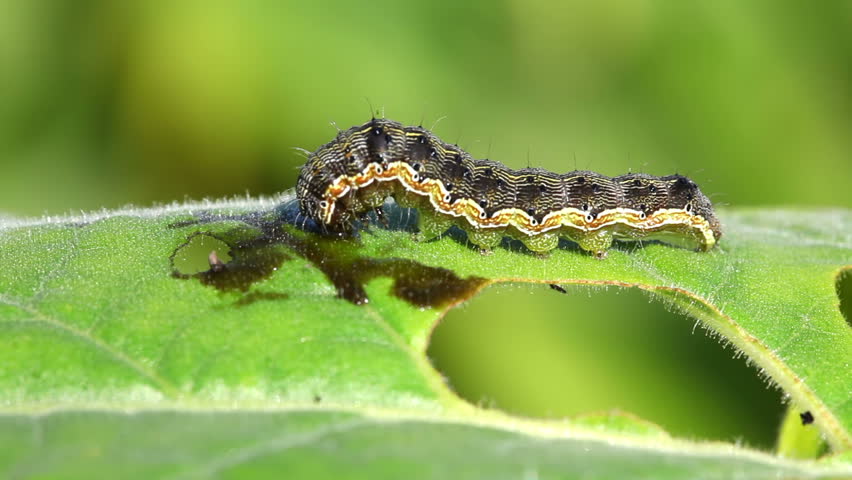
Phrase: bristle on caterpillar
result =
(365, 164)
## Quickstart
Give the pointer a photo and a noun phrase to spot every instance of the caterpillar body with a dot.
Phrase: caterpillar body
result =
(362, 166)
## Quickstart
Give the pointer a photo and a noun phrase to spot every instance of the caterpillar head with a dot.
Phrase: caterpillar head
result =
(310, 190)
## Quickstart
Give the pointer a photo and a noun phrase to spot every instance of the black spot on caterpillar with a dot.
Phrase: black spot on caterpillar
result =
(365, 164)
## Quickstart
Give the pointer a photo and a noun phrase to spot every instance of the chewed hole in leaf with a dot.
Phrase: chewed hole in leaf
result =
(531, 351)
(260, 247)
(200, 252)
(844, 294)
(249, 265)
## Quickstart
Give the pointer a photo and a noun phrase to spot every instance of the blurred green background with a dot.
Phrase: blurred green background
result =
(106, 103)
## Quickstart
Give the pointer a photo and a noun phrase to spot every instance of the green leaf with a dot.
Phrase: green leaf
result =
(120, 355)
(325, 443)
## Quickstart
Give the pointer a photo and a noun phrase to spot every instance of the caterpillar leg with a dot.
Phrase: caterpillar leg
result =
(485, 239)
(541, 243)
(380, 216)
(431, 225)
(596, 242)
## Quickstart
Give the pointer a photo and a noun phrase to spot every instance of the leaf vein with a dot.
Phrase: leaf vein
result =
(37, 317)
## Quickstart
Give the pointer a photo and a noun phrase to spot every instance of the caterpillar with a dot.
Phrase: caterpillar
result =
(354, 174)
